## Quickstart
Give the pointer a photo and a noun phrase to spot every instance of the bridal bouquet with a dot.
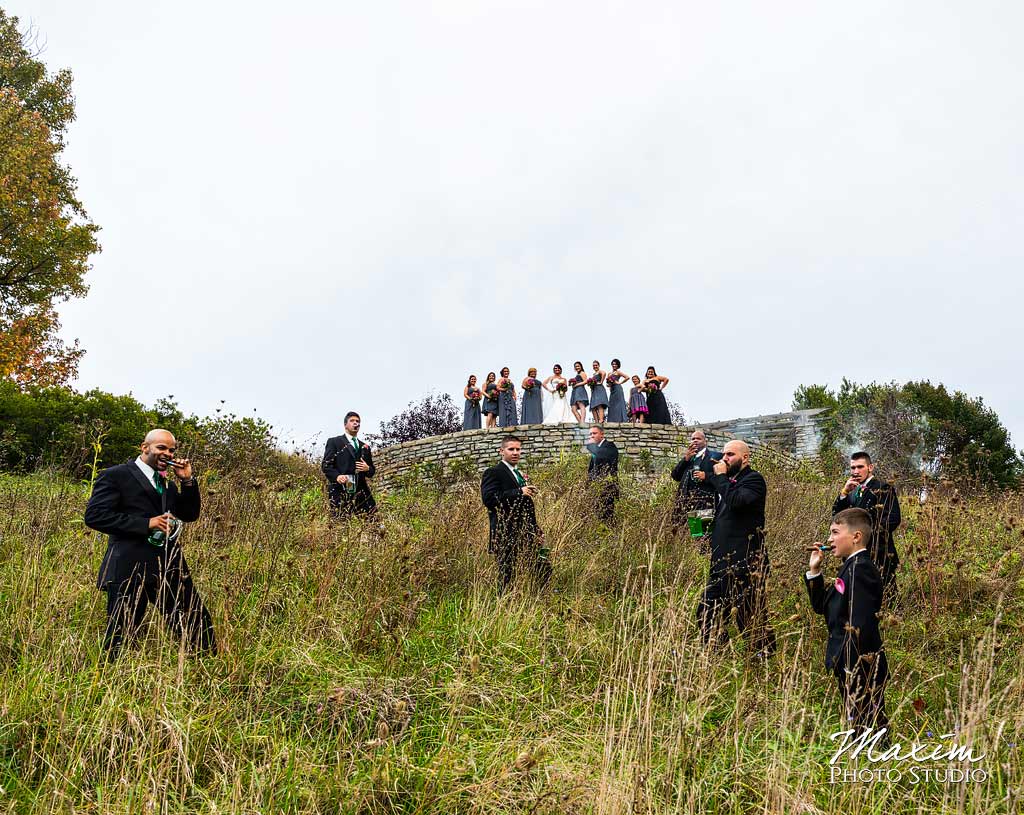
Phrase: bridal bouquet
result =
(562, 388)
(531, 383)
(504, 384)
(591, 381)
(474, 395)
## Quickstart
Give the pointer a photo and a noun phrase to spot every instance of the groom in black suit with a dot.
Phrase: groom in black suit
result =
(863, 490)
(603, 469)
(348, 467)
(134, 505)
(514, 532)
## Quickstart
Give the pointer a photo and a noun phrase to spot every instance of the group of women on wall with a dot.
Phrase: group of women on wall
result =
(602, 392)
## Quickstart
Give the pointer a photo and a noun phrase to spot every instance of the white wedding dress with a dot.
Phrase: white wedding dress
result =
(558, 411)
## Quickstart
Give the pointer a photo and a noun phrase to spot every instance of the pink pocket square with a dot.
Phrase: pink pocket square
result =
(840, 585)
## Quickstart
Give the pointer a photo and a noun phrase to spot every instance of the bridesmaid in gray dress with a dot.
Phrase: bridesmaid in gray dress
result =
(598, 395)
(579, 399)
(471, 413)
(533, 406)
(490, 403)
(507, 416)
(616, 396)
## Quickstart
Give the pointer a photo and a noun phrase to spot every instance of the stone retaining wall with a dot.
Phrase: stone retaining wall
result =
(659, 446)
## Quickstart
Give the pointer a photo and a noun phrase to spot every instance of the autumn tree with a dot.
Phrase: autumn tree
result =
(46, 237)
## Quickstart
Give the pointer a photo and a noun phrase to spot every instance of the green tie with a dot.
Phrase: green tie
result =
(355, 444)
(158, 482)
(855, 498)
(519, 479)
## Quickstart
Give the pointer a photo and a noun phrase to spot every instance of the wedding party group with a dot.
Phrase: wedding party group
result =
(602, 393)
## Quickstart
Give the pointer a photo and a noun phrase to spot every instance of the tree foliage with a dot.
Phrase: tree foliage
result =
(433, 415)
(61, 429)
(915, 427)
(46, 237)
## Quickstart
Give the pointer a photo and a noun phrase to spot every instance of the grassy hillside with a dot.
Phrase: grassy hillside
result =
(368, 673)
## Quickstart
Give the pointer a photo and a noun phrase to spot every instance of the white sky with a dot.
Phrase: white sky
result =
(344, 205)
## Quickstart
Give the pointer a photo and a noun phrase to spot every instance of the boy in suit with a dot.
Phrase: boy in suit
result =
(348, 467)
(135, 504)
(514, 531)
(850, 606)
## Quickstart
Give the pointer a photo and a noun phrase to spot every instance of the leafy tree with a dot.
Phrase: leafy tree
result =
(808, 397)
(675, 412)
(46, 237)
(913, 427)
(57, 427)
(31, 353)
(434, 415)
(965, 436)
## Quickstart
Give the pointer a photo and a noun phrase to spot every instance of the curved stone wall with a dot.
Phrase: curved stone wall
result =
(659, 446)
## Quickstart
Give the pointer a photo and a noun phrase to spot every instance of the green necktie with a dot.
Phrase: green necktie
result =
(158, 482)
(519, 479)
(355, 444)
(855, 496)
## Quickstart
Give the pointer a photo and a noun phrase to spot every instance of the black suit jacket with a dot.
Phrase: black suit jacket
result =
(737, 538)
(604, 461)
(512, 515)
(851, 615)
(340, 459)
(882, 503)
(702, 491)
(121, 504)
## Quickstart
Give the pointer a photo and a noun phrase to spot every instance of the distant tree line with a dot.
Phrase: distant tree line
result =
(59, 428)
(913, 428)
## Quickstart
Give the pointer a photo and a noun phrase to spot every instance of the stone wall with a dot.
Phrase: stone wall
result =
(660, 446)
(797, 432)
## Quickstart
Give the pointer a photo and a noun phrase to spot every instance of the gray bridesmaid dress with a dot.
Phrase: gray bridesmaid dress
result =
(598, 395)
(471, 413)
(490, 401)
(616, 401)
(533, 410)
(507, 416)
(579, 391)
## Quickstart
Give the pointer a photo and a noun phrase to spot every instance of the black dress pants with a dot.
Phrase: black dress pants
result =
(509, 552)
(167, 585)
(743, 587)
(863, 690)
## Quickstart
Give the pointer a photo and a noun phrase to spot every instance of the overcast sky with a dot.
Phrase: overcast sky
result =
(346, 204)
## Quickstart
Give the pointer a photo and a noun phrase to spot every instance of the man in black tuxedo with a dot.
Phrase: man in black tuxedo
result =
(134, 504)
(739, 561)
(854, 653)
(603, 469)
(864, 491)
(514, 532)
(348, 467)
(694, 473)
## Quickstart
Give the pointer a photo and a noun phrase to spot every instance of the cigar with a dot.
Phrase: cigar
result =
(819, 548)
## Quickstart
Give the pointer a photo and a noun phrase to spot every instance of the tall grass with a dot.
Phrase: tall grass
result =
(376, 670)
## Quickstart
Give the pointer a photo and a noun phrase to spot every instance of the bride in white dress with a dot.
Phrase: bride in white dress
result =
(558, 411)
